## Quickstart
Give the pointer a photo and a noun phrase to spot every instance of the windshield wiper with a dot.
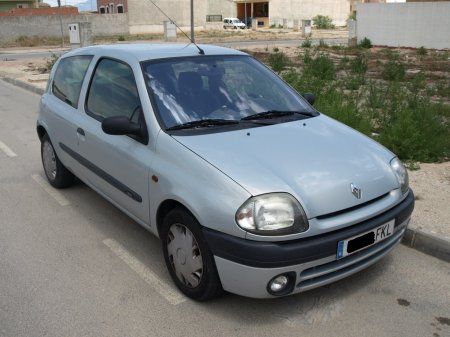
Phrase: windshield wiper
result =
(274, 114)
(202, 123)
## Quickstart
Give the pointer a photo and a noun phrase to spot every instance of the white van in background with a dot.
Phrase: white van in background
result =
(233, 23)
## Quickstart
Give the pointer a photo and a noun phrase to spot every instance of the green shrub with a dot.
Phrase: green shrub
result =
(422, 51)
(417, 82)
(417, 133)
(358, 65)
(121, 38)
(276, 49)
(365, 43)
(394, 71)
(278, 61)
(323, 22)
(334, 104)
(306, 43)
(354, 82)
(329, 99)
(321, 66)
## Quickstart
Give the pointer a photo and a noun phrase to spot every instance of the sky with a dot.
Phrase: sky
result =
(83, 5)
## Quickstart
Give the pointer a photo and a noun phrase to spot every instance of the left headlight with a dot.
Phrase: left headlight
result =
(272, 214)
(401, 174)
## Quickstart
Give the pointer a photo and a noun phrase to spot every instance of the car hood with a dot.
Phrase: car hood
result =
(315, 160)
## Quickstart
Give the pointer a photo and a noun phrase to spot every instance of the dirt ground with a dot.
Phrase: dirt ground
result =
(33, 71)
(203, 36)
(431, 185)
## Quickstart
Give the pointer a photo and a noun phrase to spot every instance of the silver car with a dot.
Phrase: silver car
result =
(250, 189)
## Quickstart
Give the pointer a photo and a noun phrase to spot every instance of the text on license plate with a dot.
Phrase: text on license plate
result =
(356, 243)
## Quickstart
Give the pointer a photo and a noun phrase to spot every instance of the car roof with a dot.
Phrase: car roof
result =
(151, 51)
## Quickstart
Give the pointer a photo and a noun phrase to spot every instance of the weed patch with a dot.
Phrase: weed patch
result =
(278, 61)
(404, 116)
(365, 43)
(394, 70)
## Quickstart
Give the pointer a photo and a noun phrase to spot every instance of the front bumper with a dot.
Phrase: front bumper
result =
(245, 267)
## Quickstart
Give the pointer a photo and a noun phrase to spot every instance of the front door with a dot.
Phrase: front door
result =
(117, 166)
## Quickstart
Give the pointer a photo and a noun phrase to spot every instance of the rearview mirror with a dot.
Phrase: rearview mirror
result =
(309, 97)
(121, 125)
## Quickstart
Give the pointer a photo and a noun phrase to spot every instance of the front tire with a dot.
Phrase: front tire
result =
(57, 174)
(188, 257)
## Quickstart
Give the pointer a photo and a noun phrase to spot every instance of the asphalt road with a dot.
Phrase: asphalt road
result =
(232, 44)
(71, 264)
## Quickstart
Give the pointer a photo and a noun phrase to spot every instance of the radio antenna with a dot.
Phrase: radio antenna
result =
(200, 50)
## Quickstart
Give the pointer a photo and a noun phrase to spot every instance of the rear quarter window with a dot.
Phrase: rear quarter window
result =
(69, 77)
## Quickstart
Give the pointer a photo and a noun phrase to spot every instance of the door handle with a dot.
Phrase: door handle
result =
(80, 131)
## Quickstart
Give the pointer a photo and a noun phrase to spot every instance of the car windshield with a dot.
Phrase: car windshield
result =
(237, 21)
(217, 87)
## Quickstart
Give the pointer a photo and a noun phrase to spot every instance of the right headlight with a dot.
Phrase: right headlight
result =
(272, 214)
(401, 173)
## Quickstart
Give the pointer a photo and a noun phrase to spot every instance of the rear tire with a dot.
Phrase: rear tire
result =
(57, 174)
(188, 257)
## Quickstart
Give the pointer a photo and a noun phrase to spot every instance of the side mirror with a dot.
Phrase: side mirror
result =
(121, 125)
(309, 97)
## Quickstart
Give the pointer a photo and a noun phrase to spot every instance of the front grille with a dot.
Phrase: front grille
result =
(332, 271)
(350, 209)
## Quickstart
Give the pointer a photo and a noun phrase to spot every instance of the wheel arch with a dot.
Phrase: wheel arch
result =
(41, 131)
(165, 207)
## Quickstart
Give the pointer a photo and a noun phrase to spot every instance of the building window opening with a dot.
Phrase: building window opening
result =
(214, 18)
(261, 10)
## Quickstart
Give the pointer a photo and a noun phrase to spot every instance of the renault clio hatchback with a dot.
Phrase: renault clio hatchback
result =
(250, 189)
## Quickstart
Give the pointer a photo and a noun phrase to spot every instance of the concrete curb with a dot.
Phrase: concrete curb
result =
(23, 85)
(414, 238)
(427, 243)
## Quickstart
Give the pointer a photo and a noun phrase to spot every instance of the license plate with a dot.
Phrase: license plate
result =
(361, 241)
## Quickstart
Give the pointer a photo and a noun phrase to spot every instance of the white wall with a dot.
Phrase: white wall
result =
(412, 24)
(227, 8)
(12, 27)
(338, 10)
(144, 17)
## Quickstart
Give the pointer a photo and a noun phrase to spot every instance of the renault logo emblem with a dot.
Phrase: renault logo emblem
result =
(356, 191)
